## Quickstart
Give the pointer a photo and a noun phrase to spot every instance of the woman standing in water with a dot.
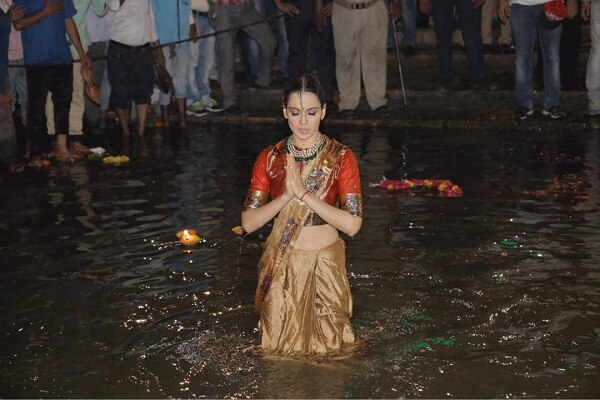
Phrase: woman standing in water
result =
(303, 296)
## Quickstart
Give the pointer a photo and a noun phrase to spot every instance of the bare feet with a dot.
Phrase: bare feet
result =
(80, 149)
(35, 162)
(65, 155)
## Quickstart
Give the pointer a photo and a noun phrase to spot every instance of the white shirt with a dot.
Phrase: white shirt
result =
(5, 5)
(133, 23)
(200, 5)
(529, 2)
(98, 27)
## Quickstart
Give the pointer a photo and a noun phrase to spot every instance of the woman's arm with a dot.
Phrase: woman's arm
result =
(340, 219)
(255, 218)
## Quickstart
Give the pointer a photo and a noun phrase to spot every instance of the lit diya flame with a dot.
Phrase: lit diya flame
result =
(188, 237)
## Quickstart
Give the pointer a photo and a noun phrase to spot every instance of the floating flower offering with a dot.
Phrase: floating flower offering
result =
(115, 160)
(444, 187)
(188, 237)
(238, 230)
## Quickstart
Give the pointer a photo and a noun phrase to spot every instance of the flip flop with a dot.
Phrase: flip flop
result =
(92, 93)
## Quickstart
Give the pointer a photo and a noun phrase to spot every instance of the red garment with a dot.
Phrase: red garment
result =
(268, 177)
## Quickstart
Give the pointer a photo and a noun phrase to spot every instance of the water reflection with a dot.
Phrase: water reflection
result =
(494, 294)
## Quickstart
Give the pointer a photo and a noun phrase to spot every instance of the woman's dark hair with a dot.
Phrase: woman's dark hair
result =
(304, 83)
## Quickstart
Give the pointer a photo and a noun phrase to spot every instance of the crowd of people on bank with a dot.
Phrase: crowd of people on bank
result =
(123, 48)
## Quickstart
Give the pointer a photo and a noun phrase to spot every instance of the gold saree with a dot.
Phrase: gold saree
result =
(303, 297)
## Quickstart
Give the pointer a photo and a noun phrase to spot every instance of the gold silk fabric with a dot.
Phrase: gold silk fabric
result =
(309, 306)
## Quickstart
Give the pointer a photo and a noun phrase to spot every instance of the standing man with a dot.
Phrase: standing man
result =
(590, 10)
(77, 102)
(310, 20)
(173, 24)
(131, 60)
(226, 15)
(360, 29)
(469, 20)
(526, 18)
(49, 63)
(201, 62)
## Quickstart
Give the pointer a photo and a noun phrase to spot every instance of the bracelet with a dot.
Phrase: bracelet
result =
(305, 193)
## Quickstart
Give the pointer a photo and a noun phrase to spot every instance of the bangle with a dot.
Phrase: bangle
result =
(305, 193)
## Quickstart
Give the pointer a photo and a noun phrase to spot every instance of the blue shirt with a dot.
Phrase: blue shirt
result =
(172, 24)
(46, 42)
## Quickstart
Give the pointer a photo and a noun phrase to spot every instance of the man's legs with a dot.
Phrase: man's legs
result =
(469, 19)
(179, 68)
(592, 78)
(164, 99)
(488, 11)
(373, 55)
(550, 48)
(221, 18)
(347, 26)
(77, 107)
(409, 22)
(570, 44)
(61, 89)
(206, 58)
(17, 79)
(324, 57)
(38, 86)
(262, 34)
(442, 12)
(298, 34)
(523, 22)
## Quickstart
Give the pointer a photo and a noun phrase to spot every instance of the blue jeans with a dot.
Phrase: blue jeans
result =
(267, 9)
(409, 22)
(17, 81)
(469, 19)
(524, 22)
(202, 59)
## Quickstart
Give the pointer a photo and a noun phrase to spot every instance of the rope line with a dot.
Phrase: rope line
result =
(154, 47)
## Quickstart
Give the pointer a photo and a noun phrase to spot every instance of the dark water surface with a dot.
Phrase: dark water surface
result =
(495, 294)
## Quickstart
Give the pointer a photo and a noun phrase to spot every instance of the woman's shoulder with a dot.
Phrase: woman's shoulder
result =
(341, 149)
(273, 150)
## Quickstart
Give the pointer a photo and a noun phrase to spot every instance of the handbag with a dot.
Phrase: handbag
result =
(163, 79)
(555, 10)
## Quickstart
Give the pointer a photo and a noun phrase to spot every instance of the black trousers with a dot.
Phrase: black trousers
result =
(322, 59)
(58, 80)
(570, 44)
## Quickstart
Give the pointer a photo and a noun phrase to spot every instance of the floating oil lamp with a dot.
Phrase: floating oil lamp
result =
(188, 237)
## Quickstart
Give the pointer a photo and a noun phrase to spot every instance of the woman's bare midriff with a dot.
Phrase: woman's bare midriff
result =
(316, 237)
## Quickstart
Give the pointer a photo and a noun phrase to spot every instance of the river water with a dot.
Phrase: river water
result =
(494, 294)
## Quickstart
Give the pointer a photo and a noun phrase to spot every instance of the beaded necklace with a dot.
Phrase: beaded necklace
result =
(305, 154)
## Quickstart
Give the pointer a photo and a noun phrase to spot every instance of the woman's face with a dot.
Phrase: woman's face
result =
(304, 113)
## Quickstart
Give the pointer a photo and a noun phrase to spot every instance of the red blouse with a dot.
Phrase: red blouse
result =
(268, 179)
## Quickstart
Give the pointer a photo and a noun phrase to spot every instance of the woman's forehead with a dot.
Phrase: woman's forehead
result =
(303, 100)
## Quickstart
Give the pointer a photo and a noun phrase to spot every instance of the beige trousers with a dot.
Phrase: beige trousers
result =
(77, 106)
(360, 38)
(489, 12)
